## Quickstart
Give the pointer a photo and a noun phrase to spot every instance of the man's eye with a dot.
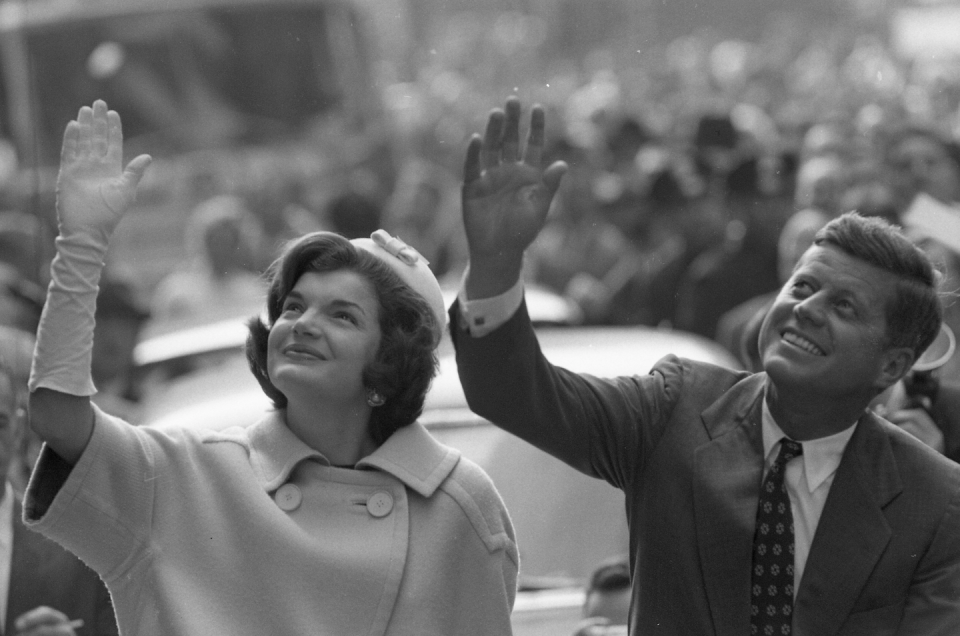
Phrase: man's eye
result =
(845, 306)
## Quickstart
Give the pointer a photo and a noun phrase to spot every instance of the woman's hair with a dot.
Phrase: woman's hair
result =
(915, 313)
(405, 362)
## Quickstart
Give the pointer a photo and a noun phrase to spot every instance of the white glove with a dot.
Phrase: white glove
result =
(93, 192)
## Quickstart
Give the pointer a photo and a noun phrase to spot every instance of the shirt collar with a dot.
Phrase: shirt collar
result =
(411, 455)
(821, 456)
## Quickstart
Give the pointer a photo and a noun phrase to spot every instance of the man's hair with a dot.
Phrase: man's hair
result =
(915, 312)
(405, 362)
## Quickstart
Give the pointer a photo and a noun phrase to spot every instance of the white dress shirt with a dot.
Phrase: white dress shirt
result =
(6, 549)
(808, 478)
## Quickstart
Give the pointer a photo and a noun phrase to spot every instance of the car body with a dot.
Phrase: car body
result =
(566, 523)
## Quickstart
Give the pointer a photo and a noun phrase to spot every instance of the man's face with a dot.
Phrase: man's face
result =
(825, 335)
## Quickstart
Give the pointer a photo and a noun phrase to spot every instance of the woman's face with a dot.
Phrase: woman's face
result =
(327, 332)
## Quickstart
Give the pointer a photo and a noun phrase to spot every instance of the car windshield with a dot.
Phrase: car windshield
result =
(190, 79)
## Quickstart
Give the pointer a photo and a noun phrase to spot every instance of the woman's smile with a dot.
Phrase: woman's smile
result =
(302, 352)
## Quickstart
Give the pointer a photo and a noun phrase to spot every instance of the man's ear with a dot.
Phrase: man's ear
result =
(895, 363)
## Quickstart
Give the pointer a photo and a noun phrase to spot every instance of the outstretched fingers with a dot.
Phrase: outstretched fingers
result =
(85, 128)
(471, 165)
(493, 139)
(114, 137)
(71, 141)
(134, 171)
(511, 131)
(99, 134)
(533, 153)
(553, 175)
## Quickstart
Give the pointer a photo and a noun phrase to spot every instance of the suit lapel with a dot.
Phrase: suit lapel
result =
(852, 532)
(728, 473)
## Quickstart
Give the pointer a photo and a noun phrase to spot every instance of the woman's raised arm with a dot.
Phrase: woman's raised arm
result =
(93, 192)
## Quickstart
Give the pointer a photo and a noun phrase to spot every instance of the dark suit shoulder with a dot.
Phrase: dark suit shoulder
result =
(701, 383)
(919, 460)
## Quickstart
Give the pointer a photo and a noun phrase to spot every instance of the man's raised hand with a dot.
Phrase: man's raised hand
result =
(506, 197)
(93, 188)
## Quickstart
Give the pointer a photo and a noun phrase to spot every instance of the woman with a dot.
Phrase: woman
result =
(336, 514)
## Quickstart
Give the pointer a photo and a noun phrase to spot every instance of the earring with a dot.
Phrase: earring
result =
(374, 398)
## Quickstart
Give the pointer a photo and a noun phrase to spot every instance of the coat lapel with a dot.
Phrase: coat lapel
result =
(726, 490)
(852, 532)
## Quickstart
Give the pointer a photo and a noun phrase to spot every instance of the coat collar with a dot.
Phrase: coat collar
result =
(411, 454)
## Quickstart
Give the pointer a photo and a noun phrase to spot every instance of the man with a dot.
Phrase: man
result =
(43, 588)
(757, 503)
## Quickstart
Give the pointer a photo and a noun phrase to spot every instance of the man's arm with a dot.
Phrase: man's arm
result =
(93, 192)
(590, 423)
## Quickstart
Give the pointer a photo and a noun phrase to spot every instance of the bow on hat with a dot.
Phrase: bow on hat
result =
(412, 268)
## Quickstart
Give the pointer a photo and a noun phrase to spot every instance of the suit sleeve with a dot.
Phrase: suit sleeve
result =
(602, 427)
(933, 601)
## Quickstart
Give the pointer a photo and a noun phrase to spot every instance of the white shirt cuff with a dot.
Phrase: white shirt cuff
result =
(483, 315)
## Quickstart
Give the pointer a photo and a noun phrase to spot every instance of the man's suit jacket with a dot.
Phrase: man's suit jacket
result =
(684, 444)
(43, 573)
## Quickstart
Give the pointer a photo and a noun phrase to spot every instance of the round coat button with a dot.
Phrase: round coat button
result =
(288, 497)
(380, 504)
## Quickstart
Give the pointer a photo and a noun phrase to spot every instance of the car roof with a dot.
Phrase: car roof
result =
(226, 393)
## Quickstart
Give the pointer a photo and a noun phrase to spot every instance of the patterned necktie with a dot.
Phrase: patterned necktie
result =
(771, 604)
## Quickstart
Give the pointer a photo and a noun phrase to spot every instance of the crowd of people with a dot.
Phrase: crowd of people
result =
(685, 190)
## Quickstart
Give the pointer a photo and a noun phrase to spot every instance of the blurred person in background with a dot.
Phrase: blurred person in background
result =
(423, 209)
(16, 351)
(583, 255)
(925, 403)
(336, 513)
(44, 590)
(352, 214)
(21, 300)
(220, 279)
(920, 160)
(25, 244)
(742, 266)
(120, 317)
(606, 605)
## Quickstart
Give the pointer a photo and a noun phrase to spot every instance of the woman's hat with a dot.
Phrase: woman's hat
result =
(411, 267)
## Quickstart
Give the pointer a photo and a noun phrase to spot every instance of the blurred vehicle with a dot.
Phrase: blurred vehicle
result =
(277, 98)
(566, 522)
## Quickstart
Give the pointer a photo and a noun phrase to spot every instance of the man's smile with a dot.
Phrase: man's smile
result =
(795, 339)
